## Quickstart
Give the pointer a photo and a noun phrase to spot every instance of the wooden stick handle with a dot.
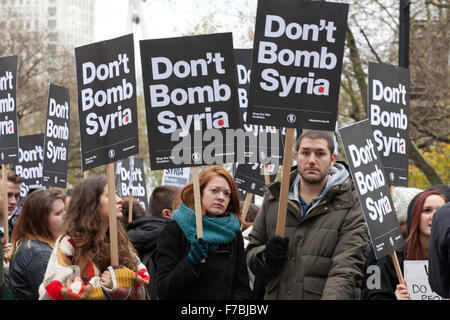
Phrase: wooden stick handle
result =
(284, 192)
(130, 206)
(247, 201)
(397, 267)
(266, 175)
(5, 202)
(110, 178)
(198, 204)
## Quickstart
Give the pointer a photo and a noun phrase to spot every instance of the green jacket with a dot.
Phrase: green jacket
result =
(327, 248)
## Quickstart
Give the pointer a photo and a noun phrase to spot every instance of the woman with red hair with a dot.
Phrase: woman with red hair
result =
(214, 266)
(419, 221)
(419, 236)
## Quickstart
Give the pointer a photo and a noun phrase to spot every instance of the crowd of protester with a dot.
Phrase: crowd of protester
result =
(59, 249)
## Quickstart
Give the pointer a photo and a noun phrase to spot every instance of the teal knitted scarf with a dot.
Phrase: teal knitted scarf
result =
(216, 231)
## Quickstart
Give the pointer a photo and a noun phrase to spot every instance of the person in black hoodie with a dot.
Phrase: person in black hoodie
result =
(439, 252)
(144, 230)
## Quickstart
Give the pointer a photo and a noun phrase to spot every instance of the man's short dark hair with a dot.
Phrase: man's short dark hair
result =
(316, 134)
(12, 177)
(162, 198)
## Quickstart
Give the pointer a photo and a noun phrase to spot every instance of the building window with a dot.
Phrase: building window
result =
(52, 23)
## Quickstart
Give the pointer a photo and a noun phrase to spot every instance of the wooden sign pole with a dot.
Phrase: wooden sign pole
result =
(284, 192)
(197, 202)
(110, 178)
(266, 175)
(86, 174)
(247, 201)
(397, 267)
(5, 202)
(398, 270)
(130, 206)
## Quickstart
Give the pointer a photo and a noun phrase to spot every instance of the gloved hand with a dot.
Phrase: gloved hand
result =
(276, 251)
(198, 251)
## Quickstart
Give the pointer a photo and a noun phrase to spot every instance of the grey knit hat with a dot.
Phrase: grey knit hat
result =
(401, 197)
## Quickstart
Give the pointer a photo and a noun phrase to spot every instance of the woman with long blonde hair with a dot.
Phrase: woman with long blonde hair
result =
(214, 266)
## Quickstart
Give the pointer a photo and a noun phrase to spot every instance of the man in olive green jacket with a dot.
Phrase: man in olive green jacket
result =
(325, 245)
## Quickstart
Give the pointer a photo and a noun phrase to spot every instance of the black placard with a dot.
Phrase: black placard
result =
(297, 63)
(250, 177)
(388, 104)
(29, 162)
(370, 181)
(263, 144)
(107, 105)
(9, 137)
(138, 181)
(56, 139)
(190, 89)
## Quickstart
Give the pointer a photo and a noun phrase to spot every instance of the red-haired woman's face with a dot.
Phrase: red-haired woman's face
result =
(431, 204)
(216, 196)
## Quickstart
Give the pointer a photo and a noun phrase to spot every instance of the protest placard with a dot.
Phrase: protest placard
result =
(56, 137)
(190, 92)
(248, 177)
(371, 184)
(29, 162)
(136, 175)
(416, 277)
(388, 110)
(177, 177)
(297, 63)
(107, 106)
(9, 137)
(263, 143)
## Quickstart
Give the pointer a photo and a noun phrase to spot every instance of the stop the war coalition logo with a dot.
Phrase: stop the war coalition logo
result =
(107, 101)
(56, 141)
(8, 110)
(388, 104)
(297, 63)
(367, 172)
(189, 88)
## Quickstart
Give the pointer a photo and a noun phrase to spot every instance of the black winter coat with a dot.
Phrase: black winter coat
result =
(223, 276)
(439, 252)
(27, 269)
(143, 233)
(381, 280)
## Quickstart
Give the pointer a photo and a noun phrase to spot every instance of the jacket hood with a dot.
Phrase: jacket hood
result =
(144, 231)
(339, 181)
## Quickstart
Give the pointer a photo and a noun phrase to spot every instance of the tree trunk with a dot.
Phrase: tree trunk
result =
(423, 164)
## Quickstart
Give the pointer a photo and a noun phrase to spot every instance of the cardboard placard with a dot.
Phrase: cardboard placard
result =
(9, 136)
(29, 162)
(416, 277)
(177, 177)
(297, 63)
(263, 144)
(56, 137)
(107, 105)
(251, 178)
(388, 111)
(371, 184)
(137, 176)
(190, 89)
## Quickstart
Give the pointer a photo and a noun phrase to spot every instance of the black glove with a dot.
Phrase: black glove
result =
(198, 251)
(276, 251)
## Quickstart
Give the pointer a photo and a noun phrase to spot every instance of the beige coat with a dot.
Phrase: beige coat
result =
(327, 248)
